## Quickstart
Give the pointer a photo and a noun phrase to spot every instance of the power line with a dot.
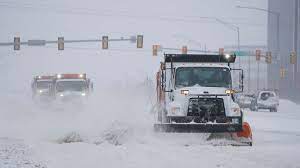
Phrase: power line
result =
(86, 11)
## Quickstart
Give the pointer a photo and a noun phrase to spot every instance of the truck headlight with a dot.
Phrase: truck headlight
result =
(83, 94)
(184, 92)
(61, 95)
(229, 91)
(40, 91)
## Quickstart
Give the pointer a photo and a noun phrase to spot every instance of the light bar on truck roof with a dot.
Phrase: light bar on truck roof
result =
(71, 76)
(203, 58)
(43, 77)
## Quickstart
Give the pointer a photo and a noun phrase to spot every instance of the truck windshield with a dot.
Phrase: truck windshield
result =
(43, 84)
(203, 76)
(62, 86)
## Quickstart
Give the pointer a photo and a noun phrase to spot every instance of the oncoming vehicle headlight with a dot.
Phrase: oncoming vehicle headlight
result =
(83, 94)
(58, 76)
(40, 91)
(81, 76)
(61, 95)
(184, 92)
(175, 110)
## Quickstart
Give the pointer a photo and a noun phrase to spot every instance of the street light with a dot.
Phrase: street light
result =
(277, 14)
(232, 27)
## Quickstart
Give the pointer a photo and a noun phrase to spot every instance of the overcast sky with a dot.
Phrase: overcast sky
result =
(170, 23)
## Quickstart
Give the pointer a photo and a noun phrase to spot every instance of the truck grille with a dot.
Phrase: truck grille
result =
(206, 109)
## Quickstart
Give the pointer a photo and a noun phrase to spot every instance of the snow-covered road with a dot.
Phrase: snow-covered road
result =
(115, 128)
(116, 140)
(276, 144)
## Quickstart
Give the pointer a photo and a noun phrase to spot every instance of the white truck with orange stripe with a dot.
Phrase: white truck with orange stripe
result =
(71, 87)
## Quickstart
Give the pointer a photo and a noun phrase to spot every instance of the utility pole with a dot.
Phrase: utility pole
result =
(296, 41)
(239, 47)
(257, 77)
(249, 69)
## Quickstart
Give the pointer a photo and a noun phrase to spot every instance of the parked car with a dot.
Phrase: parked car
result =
(265, 100)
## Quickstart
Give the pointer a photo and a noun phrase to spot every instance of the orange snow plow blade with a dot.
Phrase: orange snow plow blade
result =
(247, 133)
(245, 136)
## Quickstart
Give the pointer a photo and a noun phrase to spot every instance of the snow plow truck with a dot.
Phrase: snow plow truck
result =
(71, 87)
(195, 95)
(41, 87)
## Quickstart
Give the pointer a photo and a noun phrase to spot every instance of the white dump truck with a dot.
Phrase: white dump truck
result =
(195, 94)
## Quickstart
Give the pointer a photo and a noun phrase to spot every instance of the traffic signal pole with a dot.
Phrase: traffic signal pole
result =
(296, 41)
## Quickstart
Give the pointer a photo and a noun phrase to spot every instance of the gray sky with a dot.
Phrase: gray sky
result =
(170, 23)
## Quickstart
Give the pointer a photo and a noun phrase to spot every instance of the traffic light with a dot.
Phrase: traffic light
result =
(268, 57)
(221, 51)
(17, 43)
(282, 72)
(293, 58)
(61, 43)
(184, 50)
(258, 55)
(139, 42)
(104, 42)
(155, 50)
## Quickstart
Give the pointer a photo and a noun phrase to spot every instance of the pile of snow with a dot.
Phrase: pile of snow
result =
(117, 134)
(71, 137)
(15, 154)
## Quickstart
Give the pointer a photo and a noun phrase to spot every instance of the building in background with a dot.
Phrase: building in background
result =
(283, 38)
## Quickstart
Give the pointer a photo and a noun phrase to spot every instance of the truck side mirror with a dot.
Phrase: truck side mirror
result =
(238, 80)
(241, 81)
